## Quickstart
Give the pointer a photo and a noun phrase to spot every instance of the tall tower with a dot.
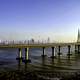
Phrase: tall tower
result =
(78, 38)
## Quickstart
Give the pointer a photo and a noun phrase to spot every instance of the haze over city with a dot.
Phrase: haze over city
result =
(39, 19)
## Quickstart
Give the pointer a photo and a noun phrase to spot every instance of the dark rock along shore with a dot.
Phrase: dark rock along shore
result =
(38, 75)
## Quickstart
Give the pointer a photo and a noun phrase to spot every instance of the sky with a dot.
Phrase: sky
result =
(39, 19)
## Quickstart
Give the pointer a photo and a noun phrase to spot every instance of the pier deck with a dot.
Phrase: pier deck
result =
(36, 45)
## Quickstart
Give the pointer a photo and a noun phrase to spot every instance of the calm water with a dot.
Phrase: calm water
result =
(8, 59)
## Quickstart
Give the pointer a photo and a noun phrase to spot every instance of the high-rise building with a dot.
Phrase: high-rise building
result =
(78, 38)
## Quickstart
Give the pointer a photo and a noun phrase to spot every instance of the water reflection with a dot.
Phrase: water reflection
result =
(22, 66)
(68, 60)
(26, 66)
(43, 64)
(43, 61)
(46, 64)
(59, 61)
(52, 61)
(68, 55)
(19, 64)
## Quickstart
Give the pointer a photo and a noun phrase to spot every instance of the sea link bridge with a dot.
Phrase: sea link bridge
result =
(43, 46)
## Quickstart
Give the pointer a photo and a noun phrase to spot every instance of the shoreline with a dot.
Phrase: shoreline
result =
(38, 75)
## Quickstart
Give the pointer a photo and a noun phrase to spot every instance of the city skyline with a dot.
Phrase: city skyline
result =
(39, 19)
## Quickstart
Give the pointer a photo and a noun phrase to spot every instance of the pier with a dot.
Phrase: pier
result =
(43, 46)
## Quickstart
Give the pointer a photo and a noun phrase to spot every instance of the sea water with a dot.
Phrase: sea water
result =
(8, 58)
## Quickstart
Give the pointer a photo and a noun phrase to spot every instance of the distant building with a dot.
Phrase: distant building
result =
(0, 41)
(48, 40)
(78, 38)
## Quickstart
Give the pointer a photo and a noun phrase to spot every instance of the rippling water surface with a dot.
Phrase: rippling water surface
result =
(63, 62)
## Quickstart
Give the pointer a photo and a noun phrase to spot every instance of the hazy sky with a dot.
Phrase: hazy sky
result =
(25, 19)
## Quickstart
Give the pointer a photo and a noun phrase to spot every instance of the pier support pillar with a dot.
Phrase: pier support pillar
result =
(75, 49)
(43, 52)
(52, 52)
(59, 49)
(69, 50)
(78, 48)
(26, 55)
(19, 54)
